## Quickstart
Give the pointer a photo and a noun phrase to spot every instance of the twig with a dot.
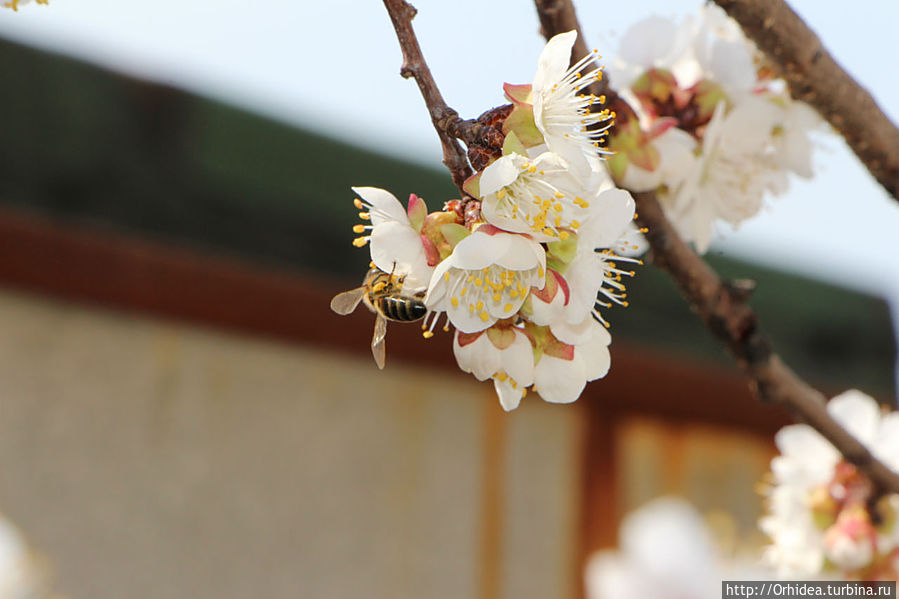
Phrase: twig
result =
(414, 65)
(816, 78)
(721, 307)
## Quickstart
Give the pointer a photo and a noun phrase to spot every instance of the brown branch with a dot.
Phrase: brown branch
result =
(414, 65)
(815, 77)
(721, 306)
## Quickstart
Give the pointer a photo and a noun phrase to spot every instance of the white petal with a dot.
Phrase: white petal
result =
(543, 313)
(467, 321)
(732, 66)
(559, 381)
(480, 357)
(437, 287)
(519, 253)
(554, 60)
(509, 396)
(594, 354)
(518, 360)
(648, 43)
(387, 207)
(480, 250)
(614, 211)
(499, 174)
(859, 413)
(396, 247)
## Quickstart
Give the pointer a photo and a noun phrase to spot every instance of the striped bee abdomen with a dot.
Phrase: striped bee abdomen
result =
(402, 309)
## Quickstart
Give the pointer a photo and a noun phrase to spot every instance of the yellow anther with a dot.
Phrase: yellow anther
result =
(540, 271)
(557, 207)
(469, 279)
(360, 241)
(513, 294)
(507, 307)
(427, 334)
(501, 376)
(501, 193)
(559, 195)
(454, 301)
(497, 297)
(358, 228)
(563, 235)
(446, 276)
(358, 203)
(471, 308)
(532, 169)
(575, 224)
(478, 282)
(484, 316)
(364, 216)
(550, 232)
(464, 291)
(479, 306)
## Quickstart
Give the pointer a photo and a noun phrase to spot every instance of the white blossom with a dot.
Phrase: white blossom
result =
(817, 507)
(487, 277)
(395, 244)
(562, 108)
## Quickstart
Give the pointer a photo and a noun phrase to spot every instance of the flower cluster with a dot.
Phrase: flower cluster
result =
(15, 4)
(522, 265)
(714, 130)
(821, 518)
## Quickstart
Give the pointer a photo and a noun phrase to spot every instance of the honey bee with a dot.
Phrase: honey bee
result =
(382, 293)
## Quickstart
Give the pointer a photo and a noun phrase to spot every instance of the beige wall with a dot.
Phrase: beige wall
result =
(152, 459)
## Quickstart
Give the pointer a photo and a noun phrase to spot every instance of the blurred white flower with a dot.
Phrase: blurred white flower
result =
(818, 514)
(666, 552)
(19, 576)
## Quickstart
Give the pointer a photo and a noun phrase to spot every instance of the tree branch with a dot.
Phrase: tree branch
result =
(720, 305)
(414, 65)
(816, 78)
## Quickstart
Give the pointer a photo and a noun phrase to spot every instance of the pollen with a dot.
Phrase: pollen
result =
(427, 334)
(497, 297)
(364, 216)
(563, 235)
(484, 316)
(507, 307)
(454, 301)
(479, 306)
(360, 241)
(358, 203)
(358, 228)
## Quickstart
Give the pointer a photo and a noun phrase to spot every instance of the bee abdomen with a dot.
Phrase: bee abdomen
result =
(402, 309)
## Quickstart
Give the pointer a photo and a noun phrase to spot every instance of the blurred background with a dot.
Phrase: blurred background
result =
(181, 415)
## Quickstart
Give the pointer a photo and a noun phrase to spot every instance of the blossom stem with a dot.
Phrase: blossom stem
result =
(724, 312)
(414, 65)
(814, 77)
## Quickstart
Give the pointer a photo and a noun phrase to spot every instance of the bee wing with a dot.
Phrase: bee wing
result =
(378, 347)
(346, 302)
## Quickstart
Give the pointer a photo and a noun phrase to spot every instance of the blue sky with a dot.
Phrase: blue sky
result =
(333, 67)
